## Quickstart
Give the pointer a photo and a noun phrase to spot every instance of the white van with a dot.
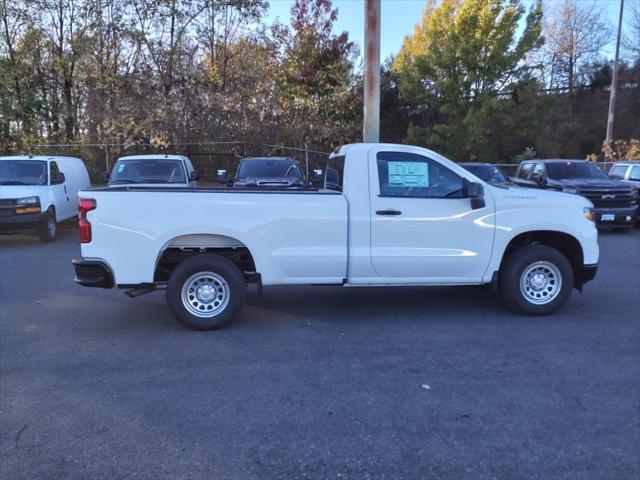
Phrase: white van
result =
(157, 170)
(38, 192)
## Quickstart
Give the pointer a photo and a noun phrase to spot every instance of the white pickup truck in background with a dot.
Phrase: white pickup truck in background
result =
(155, 170)
(387, 215)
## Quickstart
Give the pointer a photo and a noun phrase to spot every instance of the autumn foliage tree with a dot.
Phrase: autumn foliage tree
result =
(453, 69)
(316, 80)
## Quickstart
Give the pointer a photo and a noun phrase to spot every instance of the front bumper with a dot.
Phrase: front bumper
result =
(92, 273)
(625, 216)
(585, 275)
(14, 223)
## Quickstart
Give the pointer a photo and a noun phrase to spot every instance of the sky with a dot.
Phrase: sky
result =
(400, 16)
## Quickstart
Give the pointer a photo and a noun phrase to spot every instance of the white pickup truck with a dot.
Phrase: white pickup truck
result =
(386, 215)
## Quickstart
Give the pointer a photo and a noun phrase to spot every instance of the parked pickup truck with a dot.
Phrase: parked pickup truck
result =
(266, 172)
(157, 170)
(615, 203)
(387, 215)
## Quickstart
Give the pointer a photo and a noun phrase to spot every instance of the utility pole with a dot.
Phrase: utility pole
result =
(614, 82)
(371, 120)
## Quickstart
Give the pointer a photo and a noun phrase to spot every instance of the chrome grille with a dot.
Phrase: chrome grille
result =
(606, 198)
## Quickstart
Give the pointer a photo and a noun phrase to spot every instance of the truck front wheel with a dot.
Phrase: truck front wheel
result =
(536, 280)
(205, 292)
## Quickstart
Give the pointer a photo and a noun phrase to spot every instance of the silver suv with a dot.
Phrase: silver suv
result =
(628, 172)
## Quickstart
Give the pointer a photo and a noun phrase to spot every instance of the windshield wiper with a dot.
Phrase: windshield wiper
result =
(155, 180)
(13, 182)
(123, 180)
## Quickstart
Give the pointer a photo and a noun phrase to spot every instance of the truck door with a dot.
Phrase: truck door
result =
(423, 229)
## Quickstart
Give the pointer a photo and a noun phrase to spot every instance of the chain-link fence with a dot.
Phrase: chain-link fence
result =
(206, 157)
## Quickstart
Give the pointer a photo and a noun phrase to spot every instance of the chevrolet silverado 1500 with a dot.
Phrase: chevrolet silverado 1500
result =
(387, 215)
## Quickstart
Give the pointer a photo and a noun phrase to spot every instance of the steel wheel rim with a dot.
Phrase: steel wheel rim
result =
(541, 282)
(205, 294)
(51, 225)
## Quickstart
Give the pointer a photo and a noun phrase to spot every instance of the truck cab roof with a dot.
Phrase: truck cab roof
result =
(153, 156)
(36, 157)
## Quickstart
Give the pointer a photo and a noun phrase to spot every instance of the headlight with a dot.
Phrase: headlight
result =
(570, 190)
(28, 201)
(588, 214)
(27, 205)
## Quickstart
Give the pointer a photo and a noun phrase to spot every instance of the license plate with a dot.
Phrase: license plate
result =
(608, 217)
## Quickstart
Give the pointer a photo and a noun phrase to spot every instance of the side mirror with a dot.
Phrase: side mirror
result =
(475, 191)
(105, 177)
(317, 175)
(221, 176)
(194, 176)
(634, 178)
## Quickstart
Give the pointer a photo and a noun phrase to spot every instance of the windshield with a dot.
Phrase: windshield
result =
(161, 170)
(269, 169)
(569, 170)
(23, 172)
(488, 173)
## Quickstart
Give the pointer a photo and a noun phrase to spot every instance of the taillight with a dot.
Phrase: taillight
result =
(85, 205)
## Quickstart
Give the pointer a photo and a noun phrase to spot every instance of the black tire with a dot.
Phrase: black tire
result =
(212, 273)
(544, 258)
(48, 228)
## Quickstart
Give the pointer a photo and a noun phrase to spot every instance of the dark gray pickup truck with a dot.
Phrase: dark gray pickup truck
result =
(615, 203)
(266, 172)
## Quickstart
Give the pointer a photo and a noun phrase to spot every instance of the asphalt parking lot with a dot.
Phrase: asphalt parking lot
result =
(316, 382)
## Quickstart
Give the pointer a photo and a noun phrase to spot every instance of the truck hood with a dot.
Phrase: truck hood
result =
(22, 191)
(537, 198)
(144, 185)
(268, 182)
(591, 183)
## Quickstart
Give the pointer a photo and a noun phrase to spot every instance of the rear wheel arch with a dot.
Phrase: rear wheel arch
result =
(182, 247)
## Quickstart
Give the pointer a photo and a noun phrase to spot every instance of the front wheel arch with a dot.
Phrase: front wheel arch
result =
(563, 242)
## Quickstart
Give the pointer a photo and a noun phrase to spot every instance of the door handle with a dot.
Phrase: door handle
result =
(389, 211)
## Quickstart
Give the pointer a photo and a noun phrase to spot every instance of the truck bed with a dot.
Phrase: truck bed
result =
(294, 236)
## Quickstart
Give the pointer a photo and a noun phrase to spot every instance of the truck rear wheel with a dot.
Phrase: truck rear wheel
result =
(536, 280)
(205, 292)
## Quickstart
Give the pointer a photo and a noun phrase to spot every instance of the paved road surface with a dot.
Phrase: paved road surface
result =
(316, 382)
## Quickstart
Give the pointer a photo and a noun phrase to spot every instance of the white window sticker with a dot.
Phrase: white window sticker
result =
(121, 168)
(408, 174)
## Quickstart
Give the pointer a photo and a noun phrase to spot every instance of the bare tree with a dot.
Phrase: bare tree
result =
(631, 41)
(575, 34)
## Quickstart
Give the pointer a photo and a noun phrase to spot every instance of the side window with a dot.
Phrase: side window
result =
(525, 170)
(538, 172)
(618, 172)
(53, 172)
(634, 175)
(333, 177)
(410, 175)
